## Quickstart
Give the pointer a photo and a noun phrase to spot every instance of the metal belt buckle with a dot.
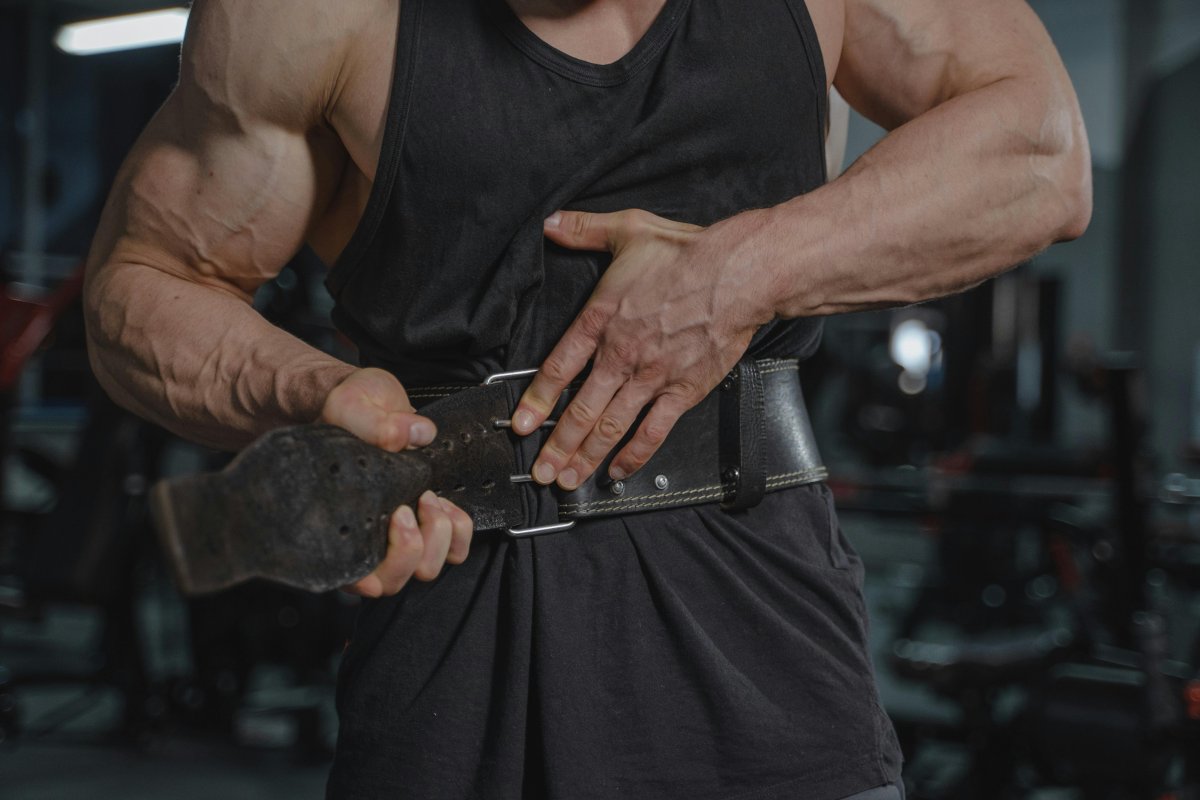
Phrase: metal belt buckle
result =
(505, 423)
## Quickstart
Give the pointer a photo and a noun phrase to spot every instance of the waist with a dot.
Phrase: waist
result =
(749, 436)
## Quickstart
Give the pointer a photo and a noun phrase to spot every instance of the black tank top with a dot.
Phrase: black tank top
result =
(687, 653)
(719, 108)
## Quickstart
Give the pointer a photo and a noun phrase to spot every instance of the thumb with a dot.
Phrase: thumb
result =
(582, 230)
(372, 405)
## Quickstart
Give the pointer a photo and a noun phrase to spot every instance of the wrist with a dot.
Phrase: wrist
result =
(755, 256)
(308, 392)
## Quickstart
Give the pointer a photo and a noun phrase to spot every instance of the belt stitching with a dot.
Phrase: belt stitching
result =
(717, 491)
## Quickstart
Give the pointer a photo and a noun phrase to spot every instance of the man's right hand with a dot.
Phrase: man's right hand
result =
(371, 404)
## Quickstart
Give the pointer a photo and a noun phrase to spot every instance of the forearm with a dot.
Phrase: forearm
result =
(198, 360)
(972, 187)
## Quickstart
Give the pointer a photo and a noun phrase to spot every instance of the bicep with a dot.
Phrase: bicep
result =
(223, 184)
(900, 58)
(220, 207)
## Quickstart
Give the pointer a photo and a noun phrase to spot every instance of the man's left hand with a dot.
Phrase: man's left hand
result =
(666, 323)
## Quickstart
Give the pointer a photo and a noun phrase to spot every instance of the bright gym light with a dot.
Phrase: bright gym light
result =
(125, 32)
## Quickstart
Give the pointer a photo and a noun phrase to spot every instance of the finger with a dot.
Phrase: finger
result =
(460, 538)
(566, 360)
(581, 230)
(369, 586)
(576, 422)
(373, 406)
(663, 415)
(392, 431)
(436, 530)
(612, 426)
(405, 547)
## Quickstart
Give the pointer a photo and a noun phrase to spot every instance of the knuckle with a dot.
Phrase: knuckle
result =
(461, 519)
(638, 457)
(593, 319)
(609, 428)
(635, 463)
(623, 353)
(393, 434)
(579, 413)
(654, 433)
(585, 461)
(407, 549)
(650, 373)
(579, 223)
(555, 370)
(639, 219)
(553, 452)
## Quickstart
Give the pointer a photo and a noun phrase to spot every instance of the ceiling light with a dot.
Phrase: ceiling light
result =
(125, 32)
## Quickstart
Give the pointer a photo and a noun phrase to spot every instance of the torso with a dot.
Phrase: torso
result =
(599, 31)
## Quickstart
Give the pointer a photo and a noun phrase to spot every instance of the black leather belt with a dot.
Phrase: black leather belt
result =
(749, 436)
(309, 505)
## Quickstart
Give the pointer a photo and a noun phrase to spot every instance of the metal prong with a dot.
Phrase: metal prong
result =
(540, 529)
(520, 478)
(507, 423)
(509, 376)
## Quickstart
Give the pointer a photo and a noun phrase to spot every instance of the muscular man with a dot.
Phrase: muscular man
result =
(634, 184)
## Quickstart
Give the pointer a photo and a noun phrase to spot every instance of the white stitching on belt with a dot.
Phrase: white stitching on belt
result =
(654, 503)
(618, 501)
(660, 500)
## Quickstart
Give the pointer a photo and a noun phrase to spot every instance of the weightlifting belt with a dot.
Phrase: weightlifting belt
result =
(308, 506)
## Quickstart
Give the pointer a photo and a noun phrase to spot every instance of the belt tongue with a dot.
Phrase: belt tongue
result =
(306, 506)
(309, 506)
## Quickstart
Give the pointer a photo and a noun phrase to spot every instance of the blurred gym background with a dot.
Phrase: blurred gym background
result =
(1019, 467)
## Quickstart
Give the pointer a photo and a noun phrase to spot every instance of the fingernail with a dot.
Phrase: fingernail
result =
(407, 518)
(617, 474)
(543, 472)
(568, 479)
(421, 433)
(523, 421)
(553, 220)
(429, 496)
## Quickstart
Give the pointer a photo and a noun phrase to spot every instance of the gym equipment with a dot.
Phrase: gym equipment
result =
(1097, 704)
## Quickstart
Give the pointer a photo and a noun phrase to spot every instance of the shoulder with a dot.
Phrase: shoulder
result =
(284, 61)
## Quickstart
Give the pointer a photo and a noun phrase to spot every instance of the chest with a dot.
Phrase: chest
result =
(598, 32)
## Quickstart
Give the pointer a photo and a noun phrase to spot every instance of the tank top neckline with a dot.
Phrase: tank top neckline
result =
(577, 69)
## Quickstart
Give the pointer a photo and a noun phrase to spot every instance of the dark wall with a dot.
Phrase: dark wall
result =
(96, 106)
(1163, 252)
